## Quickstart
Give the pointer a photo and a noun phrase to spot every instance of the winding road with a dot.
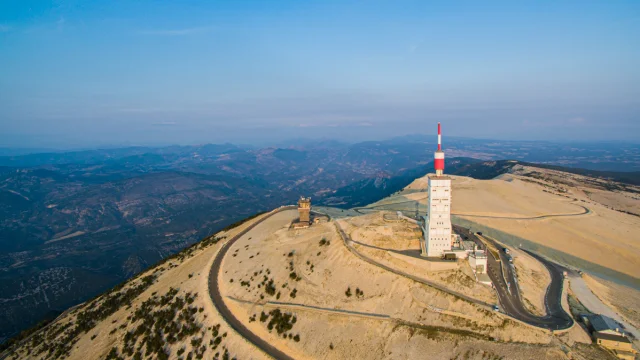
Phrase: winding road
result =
(508, 293)
(218, 301)
(585, 211)
(556, 317)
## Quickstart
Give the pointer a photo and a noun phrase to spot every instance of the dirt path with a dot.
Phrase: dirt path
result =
(346, 239)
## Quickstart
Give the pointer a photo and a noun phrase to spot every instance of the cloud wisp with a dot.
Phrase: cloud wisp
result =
(577, 120)
(177, 32)
(165, 123)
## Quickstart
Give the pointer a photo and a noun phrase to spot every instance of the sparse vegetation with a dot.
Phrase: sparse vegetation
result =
(281, 322)
(173, 321)
(60, 338)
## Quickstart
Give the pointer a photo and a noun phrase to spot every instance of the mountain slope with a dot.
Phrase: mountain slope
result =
(72, 224)
(64, 243)
(170, 296)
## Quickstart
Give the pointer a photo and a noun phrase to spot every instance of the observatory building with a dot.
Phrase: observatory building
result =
(437, 223)
(304, 209)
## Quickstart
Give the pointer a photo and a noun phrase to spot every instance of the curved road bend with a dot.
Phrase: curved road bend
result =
(509, 294)
(553, 297)
(511, 302)
(216, 296)
(585, 212)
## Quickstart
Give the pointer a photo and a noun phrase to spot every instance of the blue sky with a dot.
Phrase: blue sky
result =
(95, 73)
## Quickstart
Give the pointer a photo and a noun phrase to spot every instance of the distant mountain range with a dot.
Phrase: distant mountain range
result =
(73, 224)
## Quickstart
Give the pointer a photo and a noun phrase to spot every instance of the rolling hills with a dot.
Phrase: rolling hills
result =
(73, 224)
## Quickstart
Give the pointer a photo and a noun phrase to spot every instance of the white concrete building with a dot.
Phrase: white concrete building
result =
(437, 225)
(478, 261)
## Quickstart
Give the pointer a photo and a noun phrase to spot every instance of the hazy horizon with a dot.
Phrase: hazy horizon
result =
(292, 142)
(155, 73)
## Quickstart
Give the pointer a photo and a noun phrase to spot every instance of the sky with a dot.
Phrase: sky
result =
(97, 73)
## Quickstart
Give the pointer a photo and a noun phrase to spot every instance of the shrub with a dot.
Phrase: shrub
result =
(270, 288)
(280, 321)
(263, 317)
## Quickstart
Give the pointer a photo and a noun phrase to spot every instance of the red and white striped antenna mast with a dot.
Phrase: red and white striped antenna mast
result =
(438, 156)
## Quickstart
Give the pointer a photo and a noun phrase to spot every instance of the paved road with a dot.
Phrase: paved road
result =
(585, 211)
(556, 318)
(509, 294)
(553, 296)
(510, 300)
(216, 296)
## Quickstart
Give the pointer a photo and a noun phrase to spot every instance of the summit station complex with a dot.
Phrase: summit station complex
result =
(437, 223)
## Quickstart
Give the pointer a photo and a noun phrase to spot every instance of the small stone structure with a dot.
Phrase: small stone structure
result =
(304, 209)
